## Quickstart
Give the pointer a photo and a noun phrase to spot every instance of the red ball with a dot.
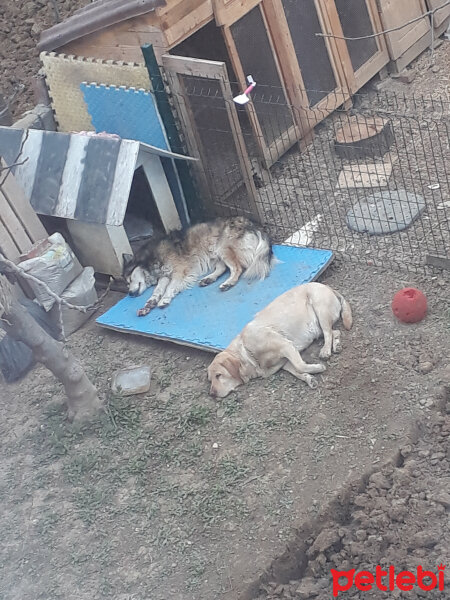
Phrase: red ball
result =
(409, 305)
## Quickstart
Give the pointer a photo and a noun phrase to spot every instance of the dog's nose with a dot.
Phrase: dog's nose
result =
(212, 392)
(133, 294)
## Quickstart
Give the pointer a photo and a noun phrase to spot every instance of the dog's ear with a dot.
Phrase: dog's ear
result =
(127, 258)
(232, 365)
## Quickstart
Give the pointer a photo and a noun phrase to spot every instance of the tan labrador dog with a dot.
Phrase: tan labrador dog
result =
(277, 335)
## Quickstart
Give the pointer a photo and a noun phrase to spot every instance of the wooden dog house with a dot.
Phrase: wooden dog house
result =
(275, 41)
(294, 49)
(85, 180)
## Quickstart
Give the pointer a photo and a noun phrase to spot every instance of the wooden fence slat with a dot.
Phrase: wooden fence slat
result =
(13, 225)
(14, 197)
(7, 245)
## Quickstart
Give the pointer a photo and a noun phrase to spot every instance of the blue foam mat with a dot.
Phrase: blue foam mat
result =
(133, 115)
(209, 319)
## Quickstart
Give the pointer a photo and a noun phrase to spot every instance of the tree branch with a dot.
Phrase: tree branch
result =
(82, 397)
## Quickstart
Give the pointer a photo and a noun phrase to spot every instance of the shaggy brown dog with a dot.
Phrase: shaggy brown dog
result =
(176, 261)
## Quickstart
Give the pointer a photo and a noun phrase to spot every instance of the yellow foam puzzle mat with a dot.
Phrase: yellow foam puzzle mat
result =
(64, 75)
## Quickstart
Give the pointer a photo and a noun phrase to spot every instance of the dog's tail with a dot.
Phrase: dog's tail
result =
(262, 258)
(346, 311)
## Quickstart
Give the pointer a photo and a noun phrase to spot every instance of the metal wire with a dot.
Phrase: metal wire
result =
(303, 192)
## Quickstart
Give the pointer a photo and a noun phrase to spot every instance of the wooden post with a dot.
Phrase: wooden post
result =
(191, 195)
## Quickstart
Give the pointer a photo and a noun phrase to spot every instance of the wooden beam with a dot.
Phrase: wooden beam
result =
(227, 12)
(173, 136)
(22, 208)
(441, 262)
(161, 192)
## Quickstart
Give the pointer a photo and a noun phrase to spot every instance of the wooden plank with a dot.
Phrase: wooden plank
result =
(12, 224)
(295, 87)
(178, 11)
(395, 13)
(15, 196)
(289, 137)
(161, 11)
(161, 192)
(31, 150)
(167, 117)
(181, 29)
(441, 262)
(71, 177)
(373, 66)
(7, 245)
(332, 23)
(123, 179)
(398, 65)
(192, 66)
(307, 117)
(253, 51)
(355, 79)
(440, 16)
(227, 12)
(121, 41)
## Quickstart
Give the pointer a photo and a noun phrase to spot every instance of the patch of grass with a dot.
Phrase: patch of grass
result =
(196, 571)
(123, 413)
(47, 522)
(90, 501)
(231, 407)
(194, 449)
(231, 471)
(137, 465)
(165, 376)
(256, 447)
(198, 416)
(81, 465)
(246, 430)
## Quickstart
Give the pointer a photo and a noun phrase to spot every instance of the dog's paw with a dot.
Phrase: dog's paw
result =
(205, 281)
(142, 312)
(312, 382)
(223, 287)
(324, 353)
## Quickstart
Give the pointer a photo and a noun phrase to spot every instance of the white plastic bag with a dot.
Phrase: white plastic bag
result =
(80, 292)
(57, 266)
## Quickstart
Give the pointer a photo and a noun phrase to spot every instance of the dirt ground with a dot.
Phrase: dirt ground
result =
(21, 22)
(396, 517)
(176, 495)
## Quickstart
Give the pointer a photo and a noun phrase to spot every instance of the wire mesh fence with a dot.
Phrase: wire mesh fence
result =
(384, 198)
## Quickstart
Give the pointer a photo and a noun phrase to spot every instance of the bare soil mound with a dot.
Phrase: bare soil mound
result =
(397, 517)
(21, 22)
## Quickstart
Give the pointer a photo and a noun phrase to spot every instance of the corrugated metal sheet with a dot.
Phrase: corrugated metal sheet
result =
(92, 18)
